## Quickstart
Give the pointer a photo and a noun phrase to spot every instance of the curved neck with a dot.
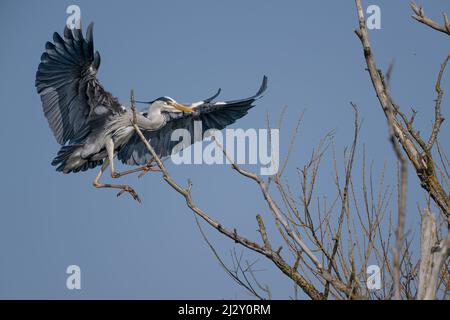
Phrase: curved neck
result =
(153, 121)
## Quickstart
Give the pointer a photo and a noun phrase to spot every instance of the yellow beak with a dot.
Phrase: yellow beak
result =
(181, 107)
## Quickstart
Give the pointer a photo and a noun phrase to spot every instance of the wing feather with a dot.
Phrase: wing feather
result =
(213, 115)
(66, 81)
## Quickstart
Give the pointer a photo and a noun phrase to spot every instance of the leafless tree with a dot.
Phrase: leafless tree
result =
(327, 244)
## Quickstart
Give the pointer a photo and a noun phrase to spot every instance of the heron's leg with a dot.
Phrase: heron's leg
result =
(115, 174)
(148, 167)
(109, 144)
(124, 188)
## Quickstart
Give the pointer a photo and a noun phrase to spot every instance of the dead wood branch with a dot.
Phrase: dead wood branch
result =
(421, 160)
(419, 15)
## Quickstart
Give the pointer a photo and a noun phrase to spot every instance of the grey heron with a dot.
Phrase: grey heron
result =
(93, 127)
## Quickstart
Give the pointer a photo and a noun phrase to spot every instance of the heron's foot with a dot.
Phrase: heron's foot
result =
(115, 175)
(149, 167)
(131, 191)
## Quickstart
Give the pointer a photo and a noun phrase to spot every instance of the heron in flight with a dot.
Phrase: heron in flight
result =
(93, 127)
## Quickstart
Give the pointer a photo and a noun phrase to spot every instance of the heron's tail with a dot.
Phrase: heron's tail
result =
(69, 160)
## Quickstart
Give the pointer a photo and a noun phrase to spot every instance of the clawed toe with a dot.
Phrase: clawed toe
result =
(131, 192)
(147, 168)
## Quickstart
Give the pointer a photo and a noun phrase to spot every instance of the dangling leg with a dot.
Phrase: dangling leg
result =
(125, 188)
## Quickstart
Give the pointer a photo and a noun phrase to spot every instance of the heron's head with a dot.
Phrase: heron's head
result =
(169, 104)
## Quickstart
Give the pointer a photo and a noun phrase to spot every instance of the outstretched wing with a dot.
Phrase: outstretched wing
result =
(70, 93)
(213, 115)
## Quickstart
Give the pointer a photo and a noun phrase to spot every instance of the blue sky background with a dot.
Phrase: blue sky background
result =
(188, 49)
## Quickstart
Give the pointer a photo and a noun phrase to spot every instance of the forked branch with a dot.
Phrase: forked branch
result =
(265, 250)
(407, 137)
(419, 15)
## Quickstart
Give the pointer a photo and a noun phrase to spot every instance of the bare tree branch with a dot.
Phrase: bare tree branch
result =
(306, 286)
(434, 253)
(279, 217)
(419, 15)
(422, 161)
(438, 119)
(344, 193)
(232, 273)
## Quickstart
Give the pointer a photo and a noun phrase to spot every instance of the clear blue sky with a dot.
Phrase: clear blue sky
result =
(188, 49)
